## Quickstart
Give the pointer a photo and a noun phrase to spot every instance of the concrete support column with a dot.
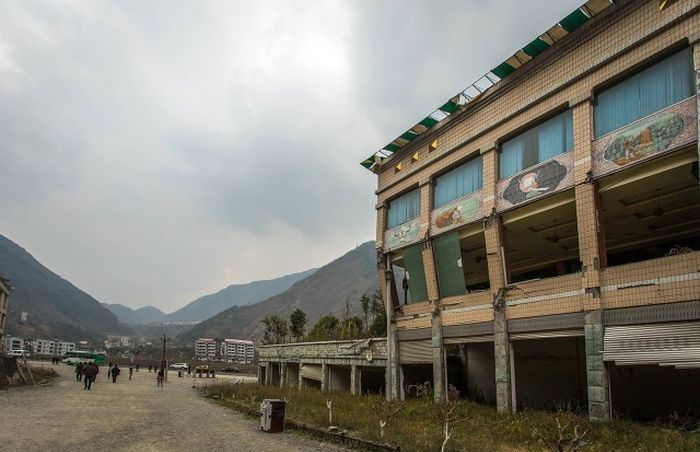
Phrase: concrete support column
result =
(439, 367)
(596, 373)
(355, 375)
(325, 377)
(283, 375)
(493, 234)
(300, 378)
(260, 368)
(268, 374)
(392, 348)
(502, 349)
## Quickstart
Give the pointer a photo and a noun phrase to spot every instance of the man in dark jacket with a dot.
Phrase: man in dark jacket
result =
(115, 373)
(79, 372)
(90, 372)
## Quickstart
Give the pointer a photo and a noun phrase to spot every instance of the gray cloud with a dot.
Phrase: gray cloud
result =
(156, 151)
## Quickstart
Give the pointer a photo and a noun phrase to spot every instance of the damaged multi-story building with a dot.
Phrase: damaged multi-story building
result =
(538, 235)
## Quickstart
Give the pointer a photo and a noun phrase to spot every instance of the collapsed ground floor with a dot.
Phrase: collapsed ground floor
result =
(611, 366)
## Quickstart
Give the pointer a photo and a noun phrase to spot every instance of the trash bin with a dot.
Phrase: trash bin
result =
(272, 415)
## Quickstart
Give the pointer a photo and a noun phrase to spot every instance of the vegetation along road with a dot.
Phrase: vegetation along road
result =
(130, 416)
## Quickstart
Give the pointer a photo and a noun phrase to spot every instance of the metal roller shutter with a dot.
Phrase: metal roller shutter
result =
(312, 372)
(468, 340)
(414, 352)
(545, 334)
(664, 344)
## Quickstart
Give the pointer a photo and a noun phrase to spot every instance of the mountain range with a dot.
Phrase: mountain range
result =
(55, 307)
(324, 292)
(234, 295)
(140, 316)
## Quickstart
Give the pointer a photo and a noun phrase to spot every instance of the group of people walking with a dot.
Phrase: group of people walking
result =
(87, 372)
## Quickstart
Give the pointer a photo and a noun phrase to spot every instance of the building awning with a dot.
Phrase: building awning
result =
(665, 344)
(568, 24)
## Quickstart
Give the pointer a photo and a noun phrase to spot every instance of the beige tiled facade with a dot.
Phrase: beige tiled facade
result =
(626, 37)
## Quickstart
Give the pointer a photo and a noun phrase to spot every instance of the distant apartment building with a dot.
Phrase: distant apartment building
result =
(537, 234)
(10, 343)
(229, 350)
(205, 349)
(237, 351)
(4, 295)
(51, 347)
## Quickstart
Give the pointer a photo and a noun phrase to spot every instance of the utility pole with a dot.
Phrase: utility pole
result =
(162, 362)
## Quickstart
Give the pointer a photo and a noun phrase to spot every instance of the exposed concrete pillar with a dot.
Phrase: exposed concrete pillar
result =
(268, 374)
(355, 372)
(325, 377)
(260, 371)
(493, 234)
(283, 375)
(439, 368)
(596, 372)
(504, 391)
(301, 379)
(392, 349)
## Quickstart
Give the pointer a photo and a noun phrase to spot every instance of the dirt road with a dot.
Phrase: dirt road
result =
(130, 416)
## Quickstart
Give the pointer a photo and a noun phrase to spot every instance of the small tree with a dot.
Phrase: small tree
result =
(326, 329)
(383, 410)
(378, 326)
(297, 324)
(566, 438)
(276, 330)
(449, 411)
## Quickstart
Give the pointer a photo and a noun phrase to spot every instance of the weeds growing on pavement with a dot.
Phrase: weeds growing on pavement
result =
(420, 423)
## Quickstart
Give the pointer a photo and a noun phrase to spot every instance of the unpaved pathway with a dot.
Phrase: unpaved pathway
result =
(130, 416)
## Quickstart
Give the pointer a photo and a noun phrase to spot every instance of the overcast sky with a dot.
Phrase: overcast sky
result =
(155, 151)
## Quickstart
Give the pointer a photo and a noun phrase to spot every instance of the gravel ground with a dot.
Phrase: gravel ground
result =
(130, 416)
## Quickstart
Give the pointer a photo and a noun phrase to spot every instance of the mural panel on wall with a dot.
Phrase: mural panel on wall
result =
(456, 213)
(550, 176)
(664, 131)
(401, 235)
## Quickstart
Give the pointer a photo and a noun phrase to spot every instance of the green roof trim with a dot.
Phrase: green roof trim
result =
(428, 122)
(568, 24)
(408, 136)
(503, 70)
(391, 147)
(536, 47)
(574, 20)
(448, 107)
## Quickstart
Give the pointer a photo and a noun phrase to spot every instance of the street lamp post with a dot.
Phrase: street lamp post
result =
(162, 362)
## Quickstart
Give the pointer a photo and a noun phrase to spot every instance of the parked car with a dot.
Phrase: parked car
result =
(230, 370)
(202, 368)
(179, 366)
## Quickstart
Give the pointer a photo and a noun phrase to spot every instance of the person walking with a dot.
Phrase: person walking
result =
(115, 373)
(189, 369)
(90, 371)
(149, 368)
(137, 367)
(109, 370)
(159, 378)
(131, 371)
(79, 372)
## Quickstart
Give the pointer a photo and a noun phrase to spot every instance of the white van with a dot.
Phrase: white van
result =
(19, 353)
